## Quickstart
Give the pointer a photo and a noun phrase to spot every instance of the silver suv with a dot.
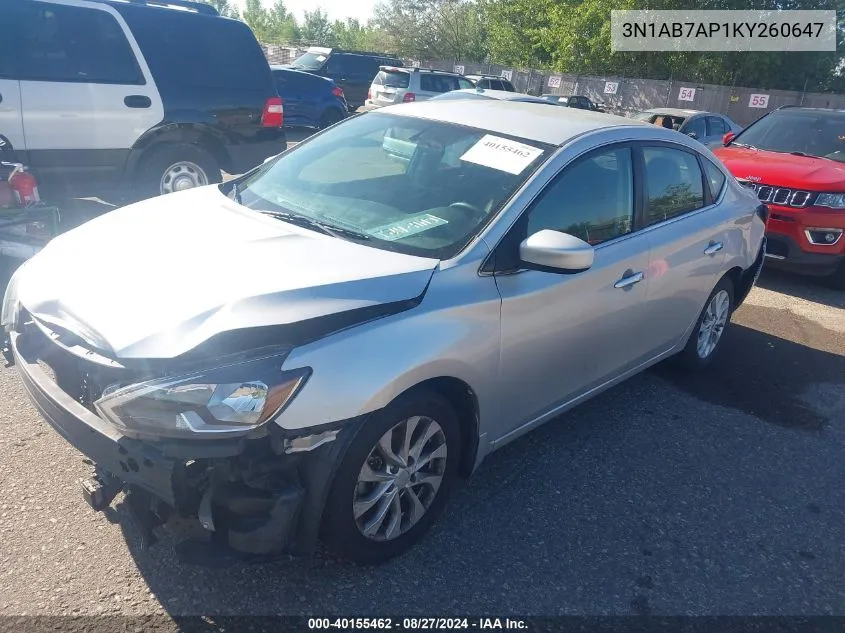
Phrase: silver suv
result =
(402, 85)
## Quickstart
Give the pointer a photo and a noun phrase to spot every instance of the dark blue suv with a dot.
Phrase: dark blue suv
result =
(309, 100)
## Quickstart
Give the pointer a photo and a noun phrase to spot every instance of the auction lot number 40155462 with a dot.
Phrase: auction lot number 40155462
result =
(416, 624)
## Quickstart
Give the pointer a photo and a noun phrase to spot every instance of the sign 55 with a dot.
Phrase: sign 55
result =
(758, 101)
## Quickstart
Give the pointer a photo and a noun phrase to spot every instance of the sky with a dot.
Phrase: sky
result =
(337, 9)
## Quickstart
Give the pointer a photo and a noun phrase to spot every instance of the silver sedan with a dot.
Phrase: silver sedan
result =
(323, 345)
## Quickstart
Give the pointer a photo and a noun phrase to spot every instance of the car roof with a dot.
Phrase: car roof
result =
(545, 124)
(676, 111)
(502, 95)
(413, 69)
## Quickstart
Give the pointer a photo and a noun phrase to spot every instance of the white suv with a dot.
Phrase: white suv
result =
(402, 85)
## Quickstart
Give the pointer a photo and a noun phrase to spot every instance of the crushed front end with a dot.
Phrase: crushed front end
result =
(259, 491)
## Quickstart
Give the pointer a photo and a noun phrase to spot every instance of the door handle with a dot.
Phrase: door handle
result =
(137, 101)
(713, 248)
(629, 279)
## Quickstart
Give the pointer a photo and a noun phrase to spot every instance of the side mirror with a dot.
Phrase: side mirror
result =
(727, 138)
(556, 251)
(692, 135)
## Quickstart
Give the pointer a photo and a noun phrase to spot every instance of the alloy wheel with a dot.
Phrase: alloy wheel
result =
(400, 478)
(713, 323)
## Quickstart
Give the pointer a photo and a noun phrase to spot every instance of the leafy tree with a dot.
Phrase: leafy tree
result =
(281, 24)
(316, 28)
(258, 19)
(224, 8)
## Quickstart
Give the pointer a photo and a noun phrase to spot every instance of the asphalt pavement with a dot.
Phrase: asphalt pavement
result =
(716, 494)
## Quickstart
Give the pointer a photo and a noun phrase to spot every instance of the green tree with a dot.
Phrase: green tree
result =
(281, 24)
(316, 28)
(224, 8)
(258, 19)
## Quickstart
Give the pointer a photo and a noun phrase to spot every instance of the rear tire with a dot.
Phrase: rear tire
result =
(377, 507)
(176, 167)
(708, 334)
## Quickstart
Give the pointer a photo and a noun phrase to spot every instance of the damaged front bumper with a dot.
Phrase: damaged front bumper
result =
(257, 496)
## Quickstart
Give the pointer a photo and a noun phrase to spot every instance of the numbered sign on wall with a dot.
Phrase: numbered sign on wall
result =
(686, 94)
(554, 82)
(758, 101)
(611, 87)
(459, 70)
(507, 74)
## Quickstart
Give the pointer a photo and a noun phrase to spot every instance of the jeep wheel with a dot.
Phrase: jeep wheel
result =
(177, 168)
(394, 479)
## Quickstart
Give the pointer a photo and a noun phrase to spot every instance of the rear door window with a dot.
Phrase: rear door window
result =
(698, 126)
(673, 182)
(506, 85)
(430, 82)
(197, 51)
(716, 126)
(74, 44)
(715, 178)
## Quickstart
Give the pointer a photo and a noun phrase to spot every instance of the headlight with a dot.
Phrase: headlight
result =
(833, 200)
(225, 401)
(11, 305)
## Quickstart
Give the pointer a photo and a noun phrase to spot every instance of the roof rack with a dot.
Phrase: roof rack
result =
(372, 53)
(417, 69)
(199, 7)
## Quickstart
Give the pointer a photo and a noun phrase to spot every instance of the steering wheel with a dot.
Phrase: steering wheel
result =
(471, 210)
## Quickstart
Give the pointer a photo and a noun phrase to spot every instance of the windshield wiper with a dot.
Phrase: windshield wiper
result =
(804, 154)
(311, 223)
(743, 145)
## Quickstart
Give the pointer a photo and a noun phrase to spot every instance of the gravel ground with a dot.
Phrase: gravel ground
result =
(720, 494)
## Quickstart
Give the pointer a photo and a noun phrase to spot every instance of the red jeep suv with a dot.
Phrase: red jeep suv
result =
(794, 158)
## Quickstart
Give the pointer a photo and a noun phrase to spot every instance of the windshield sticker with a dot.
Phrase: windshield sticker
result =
(407, 227)
(500, 153)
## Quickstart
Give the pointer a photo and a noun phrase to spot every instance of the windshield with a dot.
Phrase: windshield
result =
(399, 183)
(809, 132)
(310, 61)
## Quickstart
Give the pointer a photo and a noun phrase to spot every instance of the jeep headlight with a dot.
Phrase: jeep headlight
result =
(833, 200)
(225, 401)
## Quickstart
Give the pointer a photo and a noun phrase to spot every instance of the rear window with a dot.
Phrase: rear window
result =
(392, 79)
(199, 51)
(438, 83)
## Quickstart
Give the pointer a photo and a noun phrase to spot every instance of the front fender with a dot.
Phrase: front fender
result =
(361, 370)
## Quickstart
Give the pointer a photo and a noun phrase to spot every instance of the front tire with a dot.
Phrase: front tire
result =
(177, 167)
(394, 480)
(708, 334)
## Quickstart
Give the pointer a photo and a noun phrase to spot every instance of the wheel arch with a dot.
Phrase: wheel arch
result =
(197, 134)
(464, 400)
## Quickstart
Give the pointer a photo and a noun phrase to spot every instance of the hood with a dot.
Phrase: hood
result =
(158, 278)
(784, 170)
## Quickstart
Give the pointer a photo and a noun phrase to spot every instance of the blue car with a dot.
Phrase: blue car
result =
(310, 100)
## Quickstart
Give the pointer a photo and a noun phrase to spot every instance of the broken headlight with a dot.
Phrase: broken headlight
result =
(225, 401)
